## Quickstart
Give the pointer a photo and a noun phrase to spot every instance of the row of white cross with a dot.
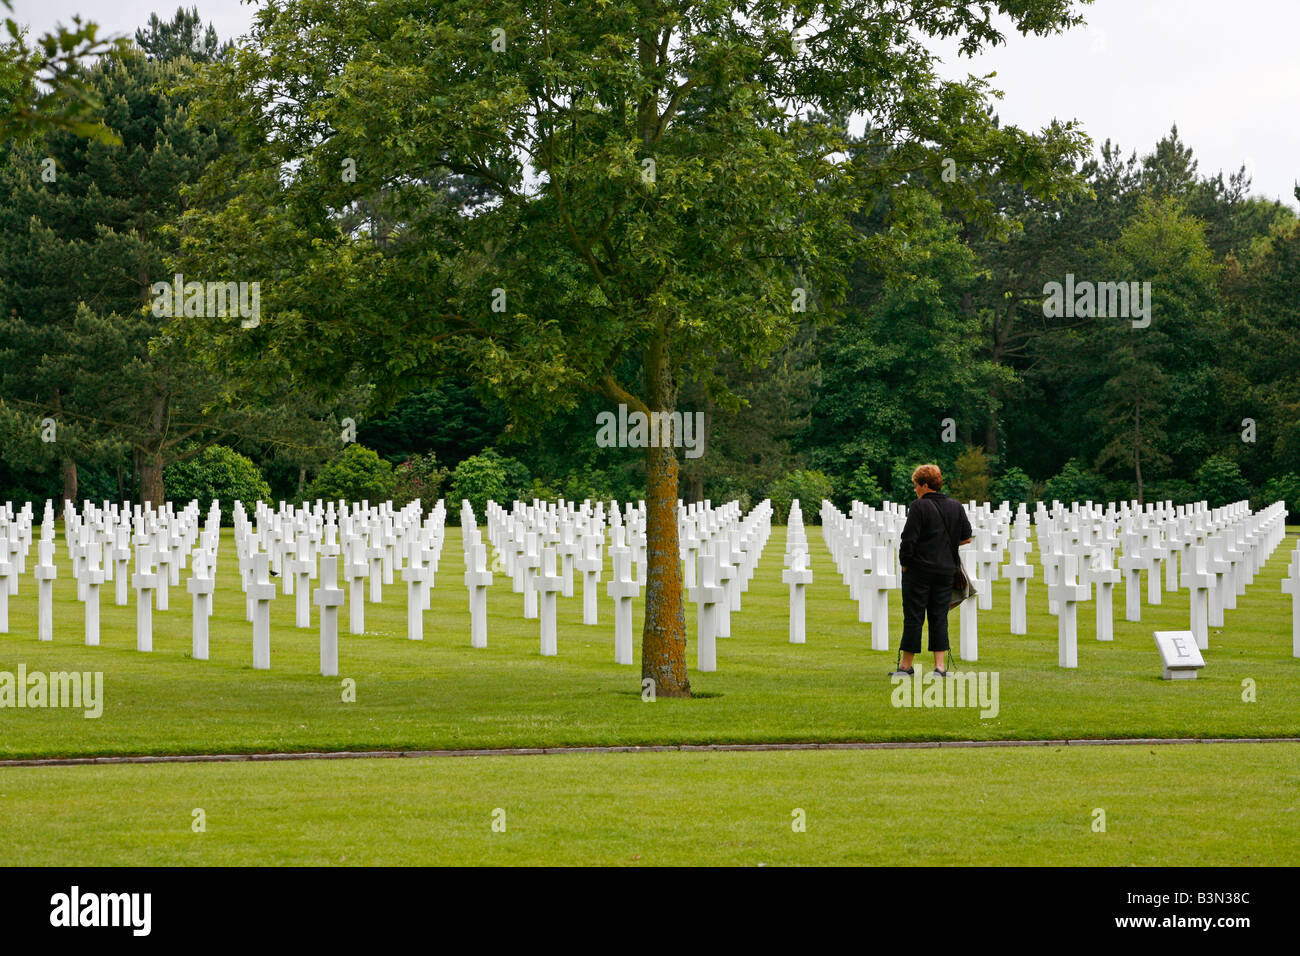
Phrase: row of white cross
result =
(543, 546)
(1219, 551)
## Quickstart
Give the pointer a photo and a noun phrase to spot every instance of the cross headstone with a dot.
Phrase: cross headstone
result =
(414, 574)
(1100, 572)
(144, 581)
(8, 569)
(201, 586)
(1132, 564)
(262, 592)
(46, 572)
(1067, 592)
(549, 585)
(355, 571)
(329, 597)
(622, 588)
(1291, 586)
(478, 578)
(1018, 572)
(968, 615)
(92, 576)
(708, 596)
(299, 570)
(121, 557)
(1200, 583)
(798, 576)
(590, 564)
(878, 584)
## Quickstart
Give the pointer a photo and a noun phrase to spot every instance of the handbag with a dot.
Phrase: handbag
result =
(962, 589)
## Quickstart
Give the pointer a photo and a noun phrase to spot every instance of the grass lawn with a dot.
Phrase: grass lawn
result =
(441, 693)
(1210, 804)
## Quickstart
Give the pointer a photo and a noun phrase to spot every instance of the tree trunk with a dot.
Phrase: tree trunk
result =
(1137, 444)
(663, 640)
(69, 468)
(151, 479)
(151, 460)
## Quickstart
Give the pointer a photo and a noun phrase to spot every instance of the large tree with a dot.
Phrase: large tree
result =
(585, 195)
(83, 236)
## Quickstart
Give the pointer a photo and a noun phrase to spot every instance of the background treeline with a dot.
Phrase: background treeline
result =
(944, 353)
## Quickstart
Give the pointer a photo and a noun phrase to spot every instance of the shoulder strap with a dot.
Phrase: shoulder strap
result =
(943, 522)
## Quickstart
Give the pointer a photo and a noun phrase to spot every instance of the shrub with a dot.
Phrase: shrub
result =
(419, 477)
(599, 485)
(1014, 486)
(1219, 481)
(970, 481)
(810, 487)
(218, 473)
(1177, 490)
(861, 486)
(1074, 483)
(478, 479)
(1281, 488)
(356, 475)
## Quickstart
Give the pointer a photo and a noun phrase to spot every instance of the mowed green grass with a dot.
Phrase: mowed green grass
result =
(1201, 804)
(442, 693)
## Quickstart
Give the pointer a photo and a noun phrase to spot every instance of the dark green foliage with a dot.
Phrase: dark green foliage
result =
(809, 487)
(861, 486)
(1280, 488)
(1074, 483)
(218, 473)
(1013, 485)
(479, 479)
(356, 475)
(1219, 482)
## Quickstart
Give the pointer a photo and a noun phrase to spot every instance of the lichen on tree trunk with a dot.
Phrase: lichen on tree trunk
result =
(663, 640)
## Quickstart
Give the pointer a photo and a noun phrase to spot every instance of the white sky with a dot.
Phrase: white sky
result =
(1227, 74)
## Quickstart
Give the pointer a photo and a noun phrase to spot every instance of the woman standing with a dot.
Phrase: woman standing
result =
(936, 526)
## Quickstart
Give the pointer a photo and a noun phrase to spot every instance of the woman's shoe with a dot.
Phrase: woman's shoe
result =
(903, 672)
(939, 673)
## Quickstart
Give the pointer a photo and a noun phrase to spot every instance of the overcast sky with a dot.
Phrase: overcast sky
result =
(1227, 73)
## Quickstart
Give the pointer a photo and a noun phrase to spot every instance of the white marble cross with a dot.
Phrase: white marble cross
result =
(798, 576)
(201, 586)
(968, 613)
(355, 572)
(590, 564)
(1291, 586)
(1018, 572)
(622, 588)
(414, 574)
(299, 570)
(1099, 571)
(708, 596)
(1200, 583)
(478, 579)
(329, 597)
(1067, 593)
(262, 592)
(46, 572)
(1132, 564)
(877, 585)
(8, 569)
(144, 581)
(549, 584)
(92, 576)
